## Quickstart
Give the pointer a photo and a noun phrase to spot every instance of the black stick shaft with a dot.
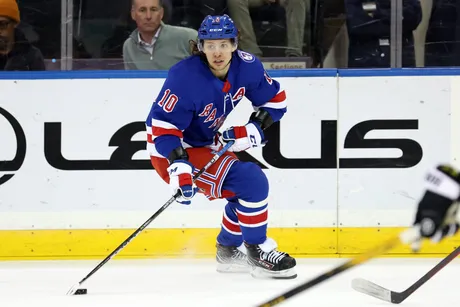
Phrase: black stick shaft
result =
(405, 237)
(398, 297)
(156, 214)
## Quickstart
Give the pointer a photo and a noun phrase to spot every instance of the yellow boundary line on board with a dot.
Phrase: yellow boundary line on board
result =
(199, 243)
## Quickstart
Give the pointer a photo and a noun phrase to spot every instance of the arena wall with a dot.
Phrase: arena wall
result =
(345, 164)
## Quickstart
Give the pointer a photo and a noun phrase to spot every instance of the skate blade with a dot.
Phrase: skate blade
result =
(261, 273)
(232, 268)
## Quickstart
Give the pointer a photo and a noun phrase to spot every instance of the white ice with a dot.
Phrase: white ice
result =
(122, 283)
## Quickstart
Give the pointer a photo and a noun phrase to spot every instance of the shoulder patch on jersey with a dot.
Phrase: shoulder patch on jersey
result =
(247, 57)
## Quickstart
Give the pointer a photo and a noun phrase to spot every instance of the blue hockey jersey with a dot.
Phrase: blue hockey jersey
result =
(193, 103)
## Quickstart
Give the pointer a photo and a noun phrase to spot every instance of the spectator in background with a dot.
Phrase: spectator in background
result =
(296, 12)
(196, 10)
(369, 25)
(155, 45)
(16, 53)
(442, 45)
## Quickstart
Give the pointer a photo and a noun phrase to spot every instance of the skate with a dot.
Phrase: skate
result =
(267, 262)
(231, 259)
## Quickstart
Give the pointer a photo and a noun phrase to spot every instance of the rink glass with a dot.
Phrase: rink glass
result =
(94, 37)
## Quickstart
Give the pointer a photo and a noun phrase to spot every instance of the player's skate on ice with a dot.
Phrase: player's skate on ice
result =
(232, 259)
(266, 261)
(182, 127)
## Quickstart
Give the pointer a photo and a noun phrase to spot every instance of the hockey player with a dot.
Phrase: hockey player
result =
(182, 127)
(437, 210)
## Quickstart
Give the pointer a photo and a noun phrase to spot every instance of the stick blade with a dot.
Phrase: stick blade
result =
(369, 288)
(73, 289)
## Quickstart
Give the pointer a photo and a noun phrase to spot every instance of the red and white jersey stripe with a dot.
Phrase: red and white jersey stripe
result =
(157, 129)
(277, 102)
(160, 127)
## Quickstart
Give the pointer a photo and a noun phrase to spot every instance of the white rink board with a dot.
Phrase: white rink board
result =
(92, 110)
(388, 196)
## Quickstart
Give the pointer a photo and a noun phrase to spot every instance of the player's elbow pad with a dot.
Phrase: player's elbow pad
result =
(178, 153)
(262, 118)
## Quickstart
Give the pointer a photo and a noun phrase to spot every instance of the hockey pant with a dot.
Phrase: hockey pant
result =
(243, 184)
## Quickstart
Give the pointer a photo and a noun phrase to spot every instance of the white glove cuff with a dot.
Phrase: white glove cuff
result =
(254, 136)
(178, 168)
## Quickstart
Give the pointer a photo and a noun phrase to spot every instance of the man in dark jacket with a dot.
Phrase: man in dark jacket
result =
(16, 53)
(369, 27)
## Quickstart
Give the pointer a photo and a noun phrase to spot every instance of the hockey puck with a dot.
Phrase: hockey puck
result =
(81, 291)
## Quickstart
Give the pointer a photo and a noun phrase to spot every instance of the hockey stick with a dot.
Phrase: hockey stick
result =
(406, 237)
(372, 289)
(75, 288)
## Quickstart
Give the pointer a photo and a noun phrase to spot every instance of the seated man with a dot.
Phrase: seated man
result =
(155, 45)
(296, 11)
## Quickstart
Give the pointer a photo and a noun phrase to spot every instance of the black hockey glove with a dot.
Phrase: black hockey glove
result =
(437, 210)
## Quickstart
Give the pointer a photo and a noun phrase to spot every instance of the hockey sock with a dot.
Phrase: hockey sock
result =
(253, 218)
(230, 232)
(250, 186)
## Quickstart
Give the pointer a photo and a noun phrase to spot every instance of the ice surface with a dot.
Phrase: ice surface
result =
(195, 283)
